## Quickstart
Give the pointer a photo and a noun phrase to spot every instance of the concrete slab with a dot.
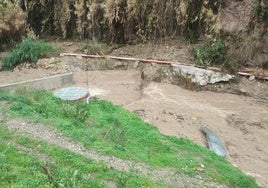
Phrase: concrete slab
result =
(48, 83)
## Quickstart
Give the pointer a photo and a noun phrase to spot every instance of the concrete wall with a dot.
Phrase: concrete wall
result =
(48, 83)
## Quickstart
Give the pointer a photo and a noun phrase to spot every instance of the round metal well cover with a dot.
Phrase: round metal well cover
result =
(72, 93)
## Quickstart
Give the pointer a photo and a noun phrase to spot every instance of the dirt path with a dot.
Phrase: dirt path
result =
(51, 136)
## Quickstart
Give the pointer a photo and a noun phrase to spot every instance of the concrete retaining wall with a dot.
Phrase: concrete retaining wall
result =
(48, 83)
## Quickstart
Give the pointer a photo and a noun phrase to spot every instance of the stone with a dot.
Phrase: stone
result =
(201, 76)
(252, 77)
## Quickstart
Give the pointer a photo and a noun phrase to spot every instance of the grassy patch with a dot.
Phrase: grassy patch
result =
(261, 9)
(111, 130)
(28, 50)
(24, 169)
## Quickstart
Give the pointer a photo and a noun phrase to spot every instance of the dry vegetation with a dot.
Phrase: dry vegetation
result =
(121, 20)
(12, 22)
(131, 21)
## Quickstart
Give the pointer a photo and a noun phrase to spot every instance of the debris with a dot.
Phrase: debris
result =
(214, 142)
(200, 168)
(48, 63)
(252, 77)
(207, 72)
(140, 113)
(261, 77)
(118, 58)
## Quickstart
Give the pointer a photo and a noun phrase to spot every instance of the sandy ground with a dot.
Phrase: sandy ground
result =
(240, 121)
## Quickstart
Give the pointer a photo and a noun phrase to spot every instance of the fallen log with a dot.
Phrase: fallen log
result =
(118, 58)
(138, 59)
(265, 78)
(256, 76)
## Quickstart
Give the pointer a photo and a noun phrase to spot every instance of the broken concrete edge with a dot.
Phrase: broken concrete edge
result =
(47, 83)
(201, 76)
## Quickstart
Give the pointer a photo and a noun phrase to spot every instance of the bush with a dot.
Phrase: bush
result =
(211, 53)
(261, 9)
(28, 50)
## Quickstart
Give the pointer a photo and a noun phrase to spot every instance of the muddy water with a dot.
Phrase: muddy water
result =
(241, 122)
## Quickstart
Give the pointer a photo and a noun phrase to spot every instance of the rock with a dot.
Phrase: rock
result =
(27, 65)
(252, 77)
(243, 90)
(201, 76)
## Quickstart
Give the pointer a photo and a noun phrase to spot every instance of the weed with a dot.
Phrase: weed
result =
(261, 9)
(184, 81)
(211, 53)
(103, 64)
(265, 65)
(242, 51)
(160, 75)
(28, 50)
(93, 46)
(23, 169)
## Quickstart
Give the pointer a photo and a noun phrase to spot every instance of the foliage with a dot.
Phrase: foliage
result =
(243, 51)
(12, 22)
(211, 53)
(28, 50)
(93, 46)
(261, 10)
(111, 130)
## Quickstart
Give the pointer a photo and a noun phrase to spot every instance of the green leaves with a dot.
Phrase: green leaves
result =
(28, 50)
(211, 53)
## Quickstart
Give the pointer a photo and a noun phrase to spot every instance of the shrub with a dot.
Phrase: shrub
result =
(211, 53)
(28, 50)
(93, 46)
(261, 9)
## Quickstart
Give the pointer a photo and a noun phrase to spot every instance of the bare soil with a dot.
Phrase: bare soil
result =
(241, 121)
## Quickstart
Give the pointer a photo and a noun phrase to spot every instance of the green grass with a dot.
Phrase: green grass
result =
(28, 50)
(23, 169)
(113, 131)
